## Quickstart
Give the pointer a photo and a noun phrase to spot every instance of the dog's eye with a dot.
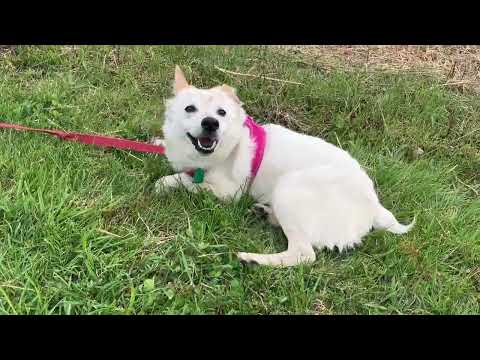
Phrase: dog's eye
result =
(221, 112)
(190, 109)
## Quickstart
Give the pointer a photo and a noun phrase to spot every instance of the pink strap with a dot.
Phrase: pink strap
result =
(97, 140)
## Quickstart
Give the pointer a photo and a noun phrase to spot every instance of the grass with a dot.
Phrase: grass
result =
(81, 233)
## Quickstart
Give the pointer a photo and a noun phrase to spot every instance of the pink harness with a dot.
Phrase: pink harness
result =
(259, 137)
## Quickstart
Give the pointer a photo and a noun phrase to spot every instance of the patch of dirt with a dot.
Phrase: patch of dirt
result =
(458, 66)
(319, 308)
(6, 50)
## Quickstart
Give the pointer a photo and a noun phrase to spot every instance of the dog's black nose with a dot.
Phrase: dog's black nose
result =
(210, 124)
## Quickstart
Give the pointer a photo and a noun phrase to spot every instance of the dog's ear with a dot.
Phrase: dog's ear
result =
(230, 92)
(180, 81)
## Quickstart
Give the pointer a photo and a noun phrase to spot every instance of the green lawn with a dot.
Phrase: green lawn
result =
(82, 233)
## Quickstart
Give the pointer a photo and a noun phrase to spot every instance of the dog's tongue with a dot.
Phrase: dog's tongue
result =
(205, 141)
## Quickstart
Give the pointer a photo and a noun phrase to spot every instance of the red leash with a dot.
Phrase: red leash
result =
(97, 140)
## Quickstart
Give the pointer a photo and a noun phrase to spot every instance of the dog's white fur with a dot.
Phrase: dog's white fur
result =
(317, 193)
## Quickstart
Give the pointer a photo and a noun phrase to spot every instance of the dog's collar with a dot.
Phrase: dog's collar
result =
(259, 137)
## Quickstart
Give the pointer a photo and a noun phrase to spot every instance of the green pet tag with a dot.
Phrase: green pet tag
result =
(198, 176)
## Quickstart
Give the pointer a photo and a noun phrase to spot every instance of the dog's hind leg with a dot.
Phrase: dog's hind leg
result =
(299, 251)
(294, 220)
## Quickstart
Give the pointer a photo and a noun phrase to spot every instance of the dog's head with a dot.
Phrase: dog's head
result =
(202, 122)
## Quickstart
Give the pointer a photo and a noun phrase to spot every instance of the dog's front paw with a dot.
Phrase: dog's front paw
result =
(165, 183)
(157, 141)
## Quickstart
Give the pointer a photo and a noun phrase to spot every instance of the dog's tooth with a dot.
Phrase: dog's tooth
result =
(207, 148)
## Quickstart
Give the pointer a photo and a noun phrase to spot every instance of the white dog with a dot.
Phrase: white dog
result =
(316, 192)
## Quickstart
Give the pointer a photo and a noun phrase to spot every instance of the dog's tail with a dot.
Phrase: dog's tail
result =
(385, 220)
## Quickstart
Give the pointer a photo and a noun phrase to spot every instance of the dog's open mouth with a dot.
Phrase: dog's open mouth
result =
(203, 144)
